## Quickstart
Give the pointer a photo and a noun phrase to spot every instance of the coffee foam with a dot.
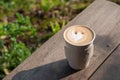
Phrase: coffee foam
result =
(78, 35)
(75, 36)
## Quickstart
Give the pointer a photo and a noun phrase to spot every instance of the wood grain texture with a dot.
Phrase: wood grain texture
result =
(48, 62)
(110, 70)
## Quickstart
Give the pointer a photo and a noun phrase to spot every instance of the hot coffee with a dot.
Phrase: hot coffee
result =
(78, 35)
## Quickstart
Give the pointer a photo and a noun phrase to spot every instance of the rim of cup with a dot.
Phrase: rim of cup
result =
(94, 35)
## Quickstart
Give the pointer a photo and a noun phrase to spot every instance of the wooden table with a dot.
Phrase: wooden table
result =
(49, 62)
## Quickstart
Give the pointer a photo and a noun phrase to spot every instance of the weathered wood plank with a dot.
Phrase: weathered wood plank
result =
(48, 62)
(110, 70)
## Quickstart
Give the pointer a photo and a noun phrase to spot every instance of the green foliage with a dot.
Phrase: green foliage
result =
(55, 27)
(9, 7)
(21, 27)
(46, 22)
(12, 50)
(13, 56)
(46, 5)
(1, 43)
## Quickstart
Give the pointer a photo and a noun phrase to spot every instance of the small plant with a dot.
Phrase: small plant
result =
(55, 27)
(46, 5)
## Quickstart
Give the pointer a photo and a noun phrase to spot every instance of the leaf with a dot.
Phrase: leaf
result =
(1, 44)
(55, 26)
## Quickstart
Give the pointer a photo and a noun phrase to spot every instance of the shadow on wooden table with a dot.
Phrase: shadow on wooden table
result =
(51, 71)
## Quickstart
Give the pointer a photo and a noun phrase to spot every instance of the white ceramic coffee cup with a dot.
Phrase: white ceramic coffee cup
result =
(79, 56)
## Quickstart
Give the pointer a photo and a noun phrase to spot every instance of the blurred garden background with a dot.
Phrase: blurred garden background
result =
(25, 25)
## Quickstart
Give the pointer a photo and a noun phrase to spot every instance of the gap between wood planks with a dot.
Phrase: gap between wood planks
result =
(104, 60)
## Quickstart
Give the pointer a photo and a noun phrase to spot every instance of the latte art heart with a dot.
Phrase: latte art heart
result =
(76, 36)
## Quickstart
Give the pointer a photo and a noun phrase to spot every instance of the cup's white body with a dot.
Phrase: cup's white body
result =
(79, 56)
